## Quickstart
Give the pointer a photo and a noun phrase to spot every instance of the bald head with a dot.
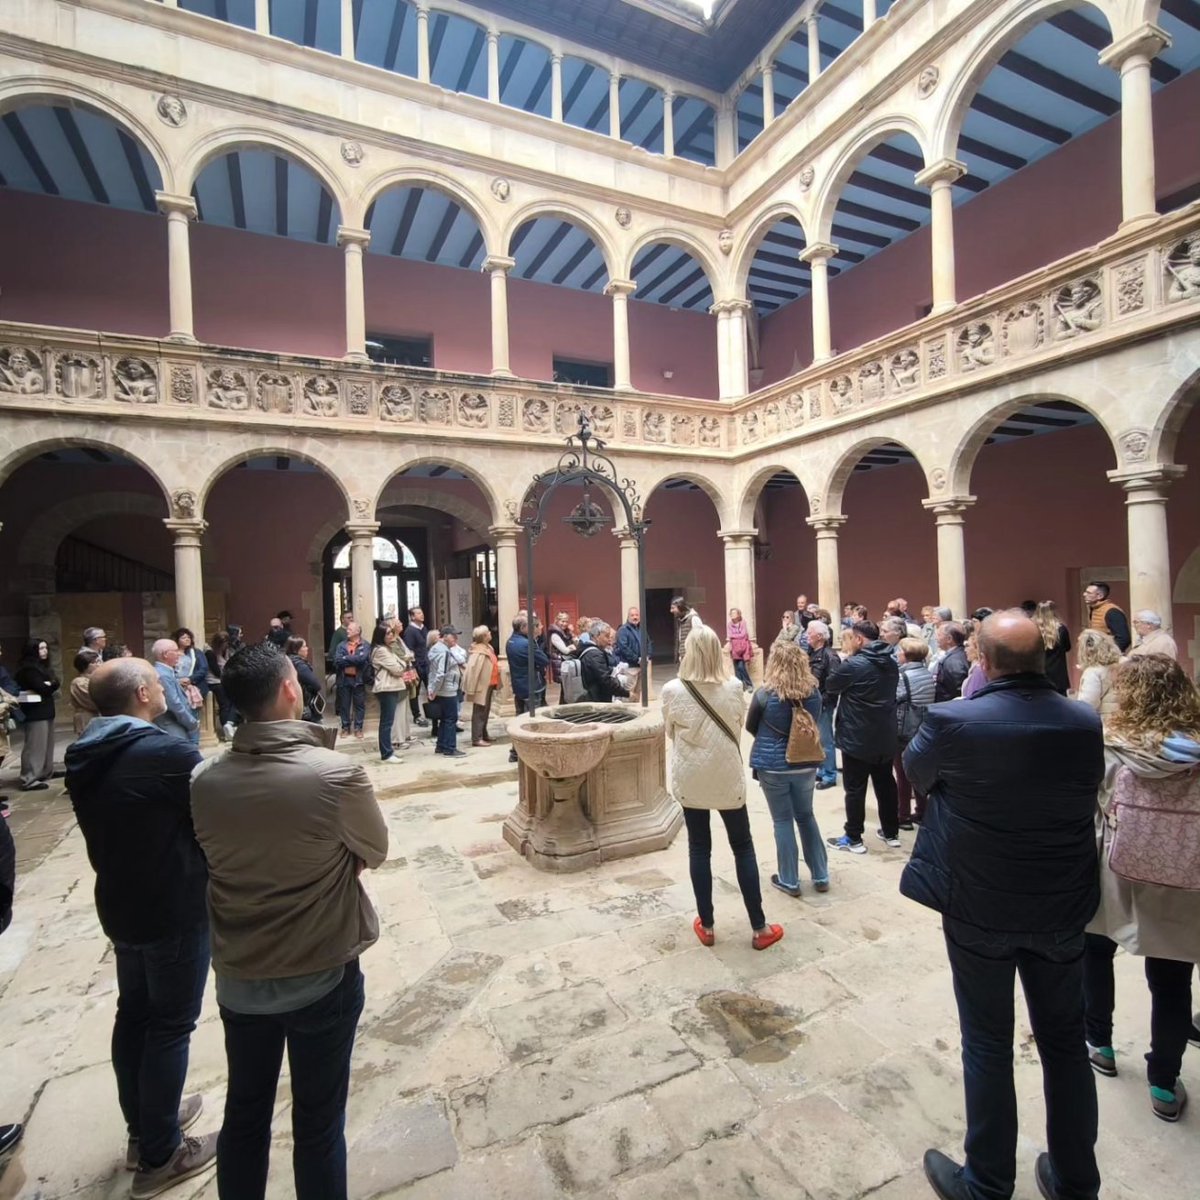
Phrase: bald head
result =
(1010, 643)
(127, 687)
(165, 651)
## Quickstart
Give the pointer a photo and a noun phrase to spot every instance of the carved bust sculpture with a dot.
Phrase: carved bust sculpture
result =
(1183, 270)
(172, 110)
(725, 241)
(501, 189)
(20, 374)
(1077, 308)
(927, 81)
(135, 381)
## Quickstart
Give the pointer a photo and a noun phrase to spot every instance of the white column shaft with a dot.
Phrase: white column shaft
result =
(621, 373)
(362, 578)
(179, 270)
(739, 367)
(348, 29)
(556, 88)
(423, 72)
(942, 243)
(768, 90)
(952, 564)
(508, 601)
(822, 338)
(724, 370)
(1138, 199)
(829, 586)
(629, 577)
(356, 302)
(189, 577)
(739, 577)
(262, 16)
(500, 361)
(669, 124)
(1149, 554)
(814, 55)
(614, 105)
(493, 67)
(869, 14)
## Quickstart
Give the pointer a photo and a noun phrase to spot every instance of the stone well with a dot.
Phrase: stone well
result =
(618, 808)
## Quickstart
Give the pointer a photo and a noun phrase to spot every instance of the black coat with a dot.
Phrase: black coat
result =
(822, 662)
(36, 676)
(1008, 842)
(1056, 662)
(865, 685)
(595, 673)
(952, 673)
(416, 638)
(130, 788)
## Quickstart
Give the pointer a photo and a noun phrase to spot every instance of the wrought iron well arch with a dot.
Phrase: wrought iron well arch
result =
(583, 462)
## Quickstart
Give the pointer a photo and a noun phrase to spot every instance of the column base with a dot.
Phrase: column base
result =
(1142, 221)
(502, 373)
(356, 356)
(622, 387)
(944, 307)
(184, 339)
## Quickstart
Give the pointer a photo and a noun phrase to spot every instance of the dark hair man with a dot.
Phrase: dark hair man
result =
(954, 668)
(1007, 855)
(686, 619)
(287, 825)
(128, 782)
(1105, 616)
(415, 639)
(865, 687)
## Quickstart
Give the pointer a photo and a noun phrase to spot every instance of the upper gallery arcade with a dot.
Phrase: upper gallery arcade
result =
(795, 260)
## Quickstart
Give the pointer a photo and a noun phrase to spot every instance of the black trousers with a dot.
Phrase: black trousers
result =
(855, 773)
(745, 862)
(1170, 985)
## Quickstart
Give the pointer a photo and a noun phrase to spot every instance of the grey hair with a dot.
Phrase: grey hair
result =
(1148, 617)
(944, 613)
(162, 646)
(818, 627)
(600, 627)
(91, 633)
(895, 625)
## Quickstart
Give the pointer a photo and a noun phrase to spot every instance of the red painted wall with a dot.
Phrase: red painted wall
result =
(1064, 202)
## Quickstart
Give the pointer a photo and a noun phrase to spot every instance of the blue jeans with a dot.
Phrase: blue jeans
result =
(790, 798)
(388, 703)
(160, 986)
(983, 964)
(447, 737)
(319, 1039)
(827, 772)
(742, 671)
(737, 827)
(352, 702)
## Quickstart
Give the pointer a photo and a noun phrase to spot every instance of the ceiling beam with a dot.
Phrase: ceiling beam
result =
(70, 128)
(676, 264)
(443, 231)
(14, 125)
(551, 244)
(473, 249)
(1019, 120)
(310, 22)
(471, 60)
(581, 81)
(511, 63)
(894, 191)
(648, 256)
(1002, 158)
(237, 200)
(407, 216)
(1061, 85)
(539, 88)
(1186, 11)
(281, 196)
(879, 216)
(137, 168)
(395, 30)
(436, 37)
(1075, 25)
(324, 217)
(573, 262)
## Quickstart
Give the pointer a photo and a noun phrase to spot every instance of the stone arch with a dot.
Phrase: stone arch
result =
(962, 461)
(751, 490)
(424, 456)
(667, 472)
(682, 241)
(400, 177)
(213, 146)
(23, 91)
(473, 517)
(1006, 30)
(865, 140)
(835, 487)
(1172, 417)
(564, 211)
(743, 256)
(337, 474)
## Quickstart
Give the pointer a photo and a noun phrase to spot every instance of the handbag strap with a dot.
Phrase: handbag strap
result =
(907, 689)
(712, 712)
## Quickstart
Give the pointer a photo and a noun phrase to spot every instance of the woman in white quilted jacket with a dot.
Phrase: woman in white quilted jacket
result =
(703, 711)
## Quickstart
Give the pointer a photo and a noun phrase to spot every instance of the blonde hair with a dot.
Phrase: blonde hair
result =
(847, 643)
(480, 633)
(789, 674)
(1154, 700)
(914, 649)
(703, 660)
(583, 625)
(1045, 617)
(1097, 649)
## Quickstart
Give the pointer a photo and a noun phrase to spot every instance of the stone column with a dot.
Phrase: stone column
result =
(740, 591)
(262, 16)
(508, 600)
(423, 73)
(614, 104)
(362, 572)
(814, 54)
(353, 243)
(817, 256)
(556, 91)
(939, 178)
(629, 572)
(768, 90)
(722, 312)
(669, 124)
(189, 574)
(179, 211)
(620, 290)
(739, 366)
(951, 551)
(1131, 56)
(870, 15)
(1149, 553)
(829, 586)
(498, 268)
(493, 65)
(726, 134)
(348, 29)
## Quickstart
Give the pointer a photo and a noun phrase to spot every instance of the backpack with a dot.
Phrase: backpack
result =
(1155, 826)
(571, 675)
(909, 716)
(804, 747)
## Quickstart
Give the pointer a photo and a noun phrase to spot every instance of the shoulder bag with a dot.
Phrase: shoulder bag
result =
(712, 712)
(804, 747)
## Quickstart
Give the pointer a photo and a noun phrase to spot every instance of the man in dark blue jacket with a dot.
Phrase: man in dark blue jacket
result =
(517, 651)
(129, 784)
(1007, 855)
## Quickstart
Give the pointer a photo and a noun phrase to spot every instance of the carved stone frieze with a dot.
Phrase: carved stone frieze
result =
(226, 389)
(976, 346)
(905, 370)
(629, 426)
(1135, 445)
(1023, 330)
(815, 404)
(841, 393)
(473, 409)
(183, 384)
(751, 428)
(566, 418)
(434, 407)
(135, 381)
(871, 382)
(935, 358)
(1181, 265)
(358, 398)
(1130, 287)
(506, 413)
(535, 415)
(683, 430)
(397, 403)
(604, 420)
(321, 396)
(183, 504)
(78, 376)
(793, 410)
(772, 418)
(710, 431)
(1078, 308)
(21, 371)
(654, 427)
(275, 393)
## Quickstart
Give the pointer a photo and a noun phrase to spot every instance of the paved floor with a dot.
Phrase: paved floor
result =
(530, 1036)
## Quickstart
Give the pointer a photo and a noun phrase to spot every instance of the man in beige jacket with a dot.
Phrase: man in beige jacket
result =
(1152, 637)
(287, 825)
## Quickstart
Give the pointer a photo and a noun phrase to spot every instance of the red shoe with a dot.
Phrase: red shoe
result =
(706, 936)
(767, 936)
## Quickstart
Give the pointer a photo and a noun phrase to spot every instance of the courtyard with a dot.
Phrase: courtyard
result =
(536, 1037)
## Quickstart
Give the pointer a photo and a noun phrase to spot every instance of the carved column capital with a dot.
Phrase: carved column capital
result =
(826, 526)
(948, 510)
(187, 531)
(1146, 42)
(505, 534)
(171, 204)
(1147, 484)
(347, 235)
(620, 287)
(497, 262)
(737, 537)
(945, 170)
(362, 531)
(818, 251)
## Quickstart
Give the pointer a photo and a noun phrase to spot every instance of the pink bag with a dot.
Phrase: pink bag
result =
(1156, 829)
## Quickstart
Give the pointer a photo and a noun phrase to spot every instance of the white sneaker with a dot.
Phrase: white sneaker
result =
(394, 759)
(230, 729)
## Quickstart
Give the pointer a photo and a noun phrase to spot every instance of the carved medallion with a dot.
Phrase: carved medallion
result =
(841, 393)
(473, 409)
(654, 427)
(275, 393)
(78, 377)
(751, 427)
(21, 371)
(226, 389)
(1135, 445)
(1182, 269)
(397, 403)
(1024, 329)
(793, 410)
(976, 346)
(772, 418)
(135, 381)
(938, 478)
(183, 504)
(807, 176)
(725, 241)
(927, 81)
(683, 429)
(624, 217)
(871, 382)
(321, 397)
(434, 408)
(171, 110)
(710, 431)
(362, 508)
(1078, 308)
(603, 420)
(535, 415)
(353, 153)
(501, 189)
(905, 370)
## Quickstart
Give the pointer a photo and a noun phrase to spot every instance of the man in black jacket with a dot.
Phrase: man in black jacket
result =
(416, 639)
(954, 668)
(1007, 854)
(129, 784)
(823, 660)
(596, 666)
(865, 685)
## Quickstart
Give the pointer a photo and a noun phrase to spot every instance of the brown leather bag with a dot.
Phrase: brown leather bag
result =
(804, 747)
